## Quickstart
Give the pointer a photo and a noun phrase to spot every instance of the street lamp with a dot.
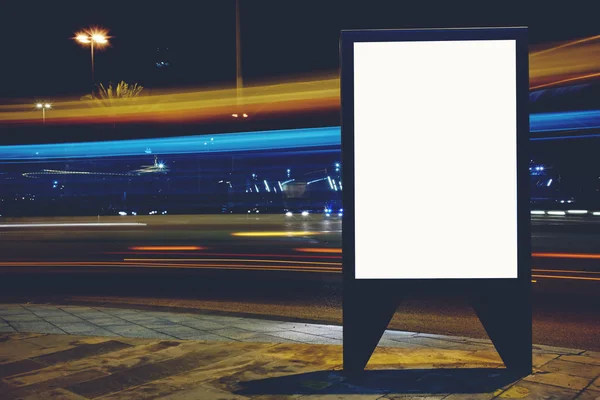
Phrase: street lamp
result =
(93, 37)
(43, 107)
(238, 62)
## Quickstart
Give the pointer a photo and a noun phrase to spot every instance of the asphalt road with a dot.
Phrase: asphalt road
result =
(285, 267)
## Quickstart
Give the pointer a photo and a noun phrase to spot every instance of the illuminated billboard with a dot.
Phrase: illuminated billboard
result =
(434, 137)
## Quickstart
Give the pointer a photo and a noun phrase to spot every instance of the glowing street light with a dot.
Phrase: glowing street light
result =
(43, 107)
(94, 37)
(239, 83)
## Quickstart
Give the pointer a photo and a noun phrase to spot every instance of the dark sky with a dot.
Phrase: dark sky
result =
(39, 59)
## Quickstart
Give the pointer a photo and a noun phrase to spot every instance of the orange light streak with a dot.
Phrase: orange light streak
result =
(232, 259)
(166, 248)
(576, 278)
(317, 250)
(567, 255)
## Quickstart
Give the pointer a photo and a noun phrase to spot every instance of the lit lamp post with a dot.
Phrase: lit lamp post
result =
(43, 107)
(93, 37)
(238, 61)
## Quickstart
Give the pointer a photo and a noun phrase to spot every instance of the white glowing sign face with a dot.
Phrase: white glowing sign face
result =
(435, 159)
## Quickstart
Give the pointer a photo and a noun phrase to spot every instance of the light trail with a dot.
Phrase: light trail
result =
(567, 271)
(317, 250)
(576, 278)
(574, 61)
(63, 225)
(230, 264)
(274, 234)
(226, 254)
(166, 248)
(567, 255)
(232, 259)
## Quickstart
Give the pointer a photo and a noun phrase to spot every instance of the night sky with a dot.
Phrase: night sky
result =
(279, 38)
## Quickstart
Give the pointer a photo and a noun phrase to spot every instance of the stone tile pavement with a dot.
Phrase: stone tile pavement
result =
(75, 352)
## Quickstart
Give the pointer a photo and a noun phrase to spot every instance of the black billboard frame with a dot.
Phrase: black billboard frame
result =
(502, 305)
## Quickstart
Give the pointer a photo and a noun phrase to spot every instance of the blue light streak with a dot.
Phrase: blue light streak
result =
(564, 121)
(223, 143)
(309, 139)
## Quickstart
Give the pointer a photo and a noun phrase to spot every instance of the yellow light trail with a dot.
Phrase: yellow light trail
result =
(227, 264)
(166, 248)
(550, 65)
(317, 250)
(567, 255)
(576, 278)
(233, 259)
(273, 234)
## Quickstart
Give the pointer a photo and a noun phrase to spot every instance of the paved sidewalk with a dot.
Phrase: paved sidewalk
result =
(72, 352)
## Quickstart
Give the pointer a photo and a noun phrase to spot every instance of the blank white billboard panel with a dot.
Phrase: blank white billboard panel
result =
(435, 159)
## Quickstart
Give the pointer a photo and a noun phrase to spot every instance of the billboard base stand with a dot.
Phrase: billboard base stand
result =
(448, 103)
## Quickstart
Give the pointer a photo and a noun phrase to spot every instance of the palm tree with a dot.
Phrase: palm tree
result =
(105, 96)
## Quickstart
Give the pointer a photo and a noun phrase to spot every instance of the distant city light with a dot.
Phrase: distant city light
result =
(304, 213)
(267, 186)
(538, 212)
(161, 165)
(288, 214)
(122, 213)
(549, 182)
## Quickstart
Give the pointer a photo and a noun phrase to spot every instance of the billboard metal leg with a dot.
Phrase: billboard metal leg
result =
(366, 314)
(505, 313)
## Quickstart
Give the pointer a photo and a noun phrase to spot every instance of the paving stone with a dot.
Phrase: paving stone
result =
(62, 319)
(177, 331)
(258, 327)
(234, 333)
(541, 359)
(201, 324)
(333, 335)
(589, 395)
(305, 337)
(73, 328)
(536, 391)
(559, 379)
(409, 397)
(38, 327)
(573, 368)
(22, 318)
(204, 336)
(473, 396)
(316, 329)
(266, 338)
(52, 313)
(431, 342)
(595, 385)
(556, 350)
(383, 342)
(136, 331)
(107, 321)
(54, 394)
(584, 358)
(394, 335)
